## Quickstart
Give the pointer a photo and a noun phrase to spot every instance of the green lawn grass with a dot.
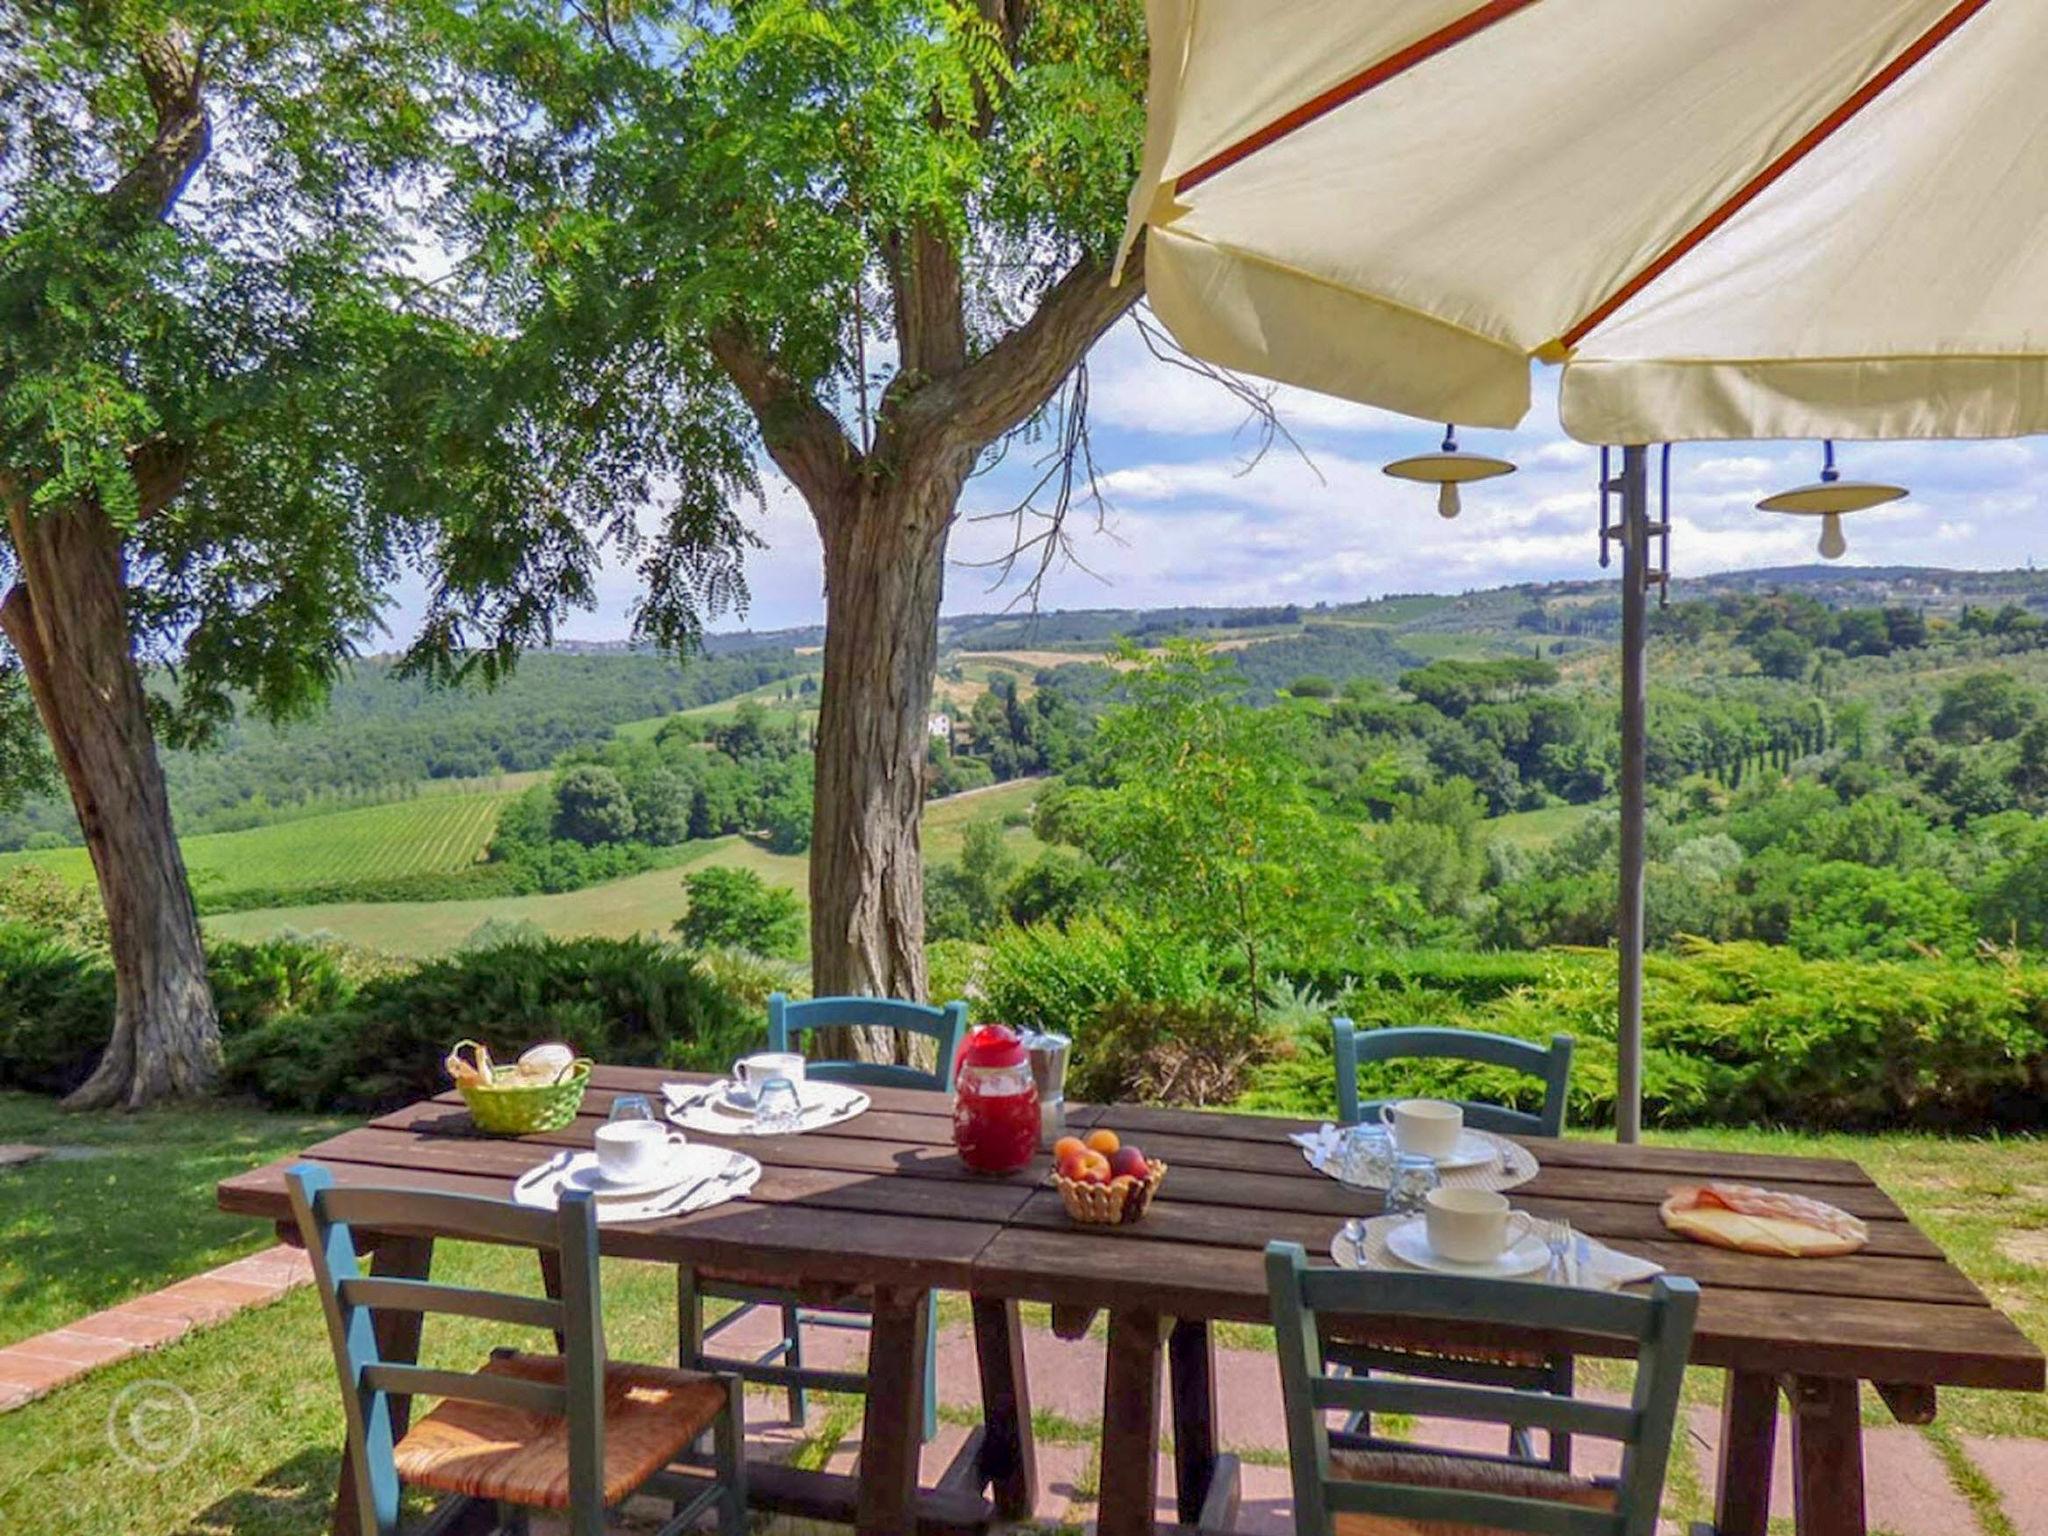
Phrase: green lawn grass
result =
(263, 1461)
(644, 903)
(432, 834)
(1537, 829)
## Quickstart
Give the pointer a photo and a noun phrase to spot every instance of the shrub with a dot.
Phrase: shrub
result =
(749, 978)
(630, 1001)
(1168, 1052)
(56, 1010)
(1046, 978)
(36, 898)
(735, 908)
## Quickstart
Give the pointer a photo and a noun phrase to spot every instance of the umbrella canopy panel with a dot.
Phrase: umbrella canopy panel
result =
(1728, 218)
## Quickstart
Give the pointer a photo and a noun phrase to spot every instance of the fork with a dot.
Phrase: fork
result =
(1560, 1240)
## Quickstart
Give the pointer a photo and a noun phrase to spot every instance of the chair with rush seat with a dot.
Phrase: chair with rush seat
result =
(1552, 1066)
(571, 1432)
(1395, 1488)
(782, 1363)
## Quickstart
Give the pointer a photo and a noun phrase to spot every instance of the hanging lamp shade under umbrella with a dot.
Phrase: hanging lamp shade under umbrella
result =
(1447, 469)
(1726, 219)
(1828, 498)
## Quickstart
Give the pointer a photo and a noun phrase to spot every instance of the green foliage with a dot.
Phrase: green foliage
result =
(1046, 978)
(56, 1010)
(1843, 911)
(592, 806)
(38, 899)
(1984, 706)
(966, 900)
(620, 1000)
(734, 908)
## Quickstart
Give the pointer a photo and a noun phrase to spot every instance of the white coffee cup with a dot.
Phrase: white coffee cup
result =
(750, 1072)
(1472, 1226)
(1424, 1127)
(634, 1149)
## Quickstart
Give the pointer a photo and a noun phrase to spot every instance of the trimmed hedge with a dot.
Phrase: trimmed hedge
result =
(314, 1026)
(1735, 1034)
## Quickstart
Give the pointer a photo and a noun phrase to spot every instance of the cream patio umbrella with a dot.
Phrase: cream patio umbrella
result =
(1725, 219)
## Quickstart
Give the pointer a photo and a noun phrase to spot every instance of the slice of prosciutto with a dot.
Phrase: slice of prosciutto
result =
(1764, 1221)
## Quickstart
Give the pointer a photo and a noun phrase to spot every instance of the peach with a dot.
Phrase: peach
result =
(1129, 1162)
(1103, 1141)
(1066, 1147)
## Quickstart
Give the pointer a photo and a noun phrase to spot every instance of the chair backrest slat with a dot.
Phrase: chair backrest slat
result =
(1600, 1313)
(789, 1022)
(1490, 1405)
(1551, 1064)
(1658, 1326)
(390, 1294)
(328, 1216)
(464, 1216)
(468, 1386)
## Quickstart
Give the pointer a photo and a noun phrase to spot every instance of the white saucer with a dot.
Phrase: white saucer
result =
(584, 1173)
(1472, 1151)
(1409, 1243)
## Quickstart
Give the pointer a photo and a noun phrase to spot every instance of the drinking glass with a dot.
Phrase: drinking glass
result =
(777, 1109)
(1413, 1178)
(1365, 1160)
(631, 1106)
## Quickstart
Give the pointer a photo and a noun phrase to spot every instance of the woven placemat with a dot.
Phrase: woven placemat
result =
(1513, 1164)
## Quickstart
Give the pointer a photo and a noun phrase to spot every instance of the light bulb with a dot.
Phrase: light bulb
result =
(1832, 545)
(1447, 502)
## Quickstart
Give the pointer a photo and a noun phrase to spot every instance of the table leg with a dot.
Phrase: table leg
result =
(1749, 1435)
(1827, 1456)
(398, 1341)
(1010, 1455)
(892, 1432)
(1130, 1424)
(1191, 1371)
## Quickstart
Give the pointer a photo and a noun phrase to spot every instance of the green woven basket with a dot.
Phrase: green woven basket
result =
(521, 1108)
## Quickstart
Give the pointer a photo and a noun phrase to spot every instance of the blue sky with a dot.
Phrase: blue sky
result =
(1190, 524)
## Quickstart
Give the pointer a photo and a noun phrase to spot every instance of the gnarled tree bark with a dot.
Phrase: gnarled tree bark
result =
(66, 618)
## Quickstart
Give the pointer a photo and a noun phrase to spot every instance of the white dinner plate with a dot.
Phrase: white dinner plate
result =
(1409, 1243)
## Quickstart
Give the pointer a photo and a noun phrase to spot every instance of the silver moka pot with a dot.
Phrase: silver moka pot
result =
(1048, 1055)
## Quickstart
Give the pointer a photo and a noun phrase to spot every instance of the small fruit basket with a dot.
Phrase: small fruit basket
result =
(540, 1092)
(1102, 1182)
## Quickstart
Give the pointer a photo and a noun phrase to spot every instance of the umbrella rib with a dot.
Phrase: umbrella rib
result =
(1351, 88)
(1894, 71)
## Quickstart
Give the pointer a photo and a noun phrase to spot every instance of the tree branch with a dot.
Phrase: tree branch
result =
(160, 468)
(805, 440)
(931, 312)
(1012, 381)
(149, 188)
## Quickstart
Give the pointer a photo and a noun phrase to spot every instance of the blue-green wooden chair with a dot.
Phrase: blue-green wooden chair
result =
(1552, 1065)
(570, 1431)
(1359, 1489)
(782, 1363)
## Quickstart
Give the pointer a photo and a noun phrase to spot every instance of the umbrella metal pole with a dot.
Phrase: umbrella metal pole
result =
(1635, 517)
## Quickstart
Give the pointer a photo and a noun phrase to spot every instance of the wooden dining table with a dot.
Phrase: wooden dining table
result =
(878, 1207)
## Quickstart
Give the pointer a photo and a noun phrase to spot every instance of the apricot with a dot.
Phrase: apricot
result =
(1104, 1141)
(1066, 1147)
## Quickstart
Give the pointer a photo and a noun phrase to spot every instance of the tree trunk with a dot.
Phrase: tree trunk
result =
(884, 579)
(67, 619)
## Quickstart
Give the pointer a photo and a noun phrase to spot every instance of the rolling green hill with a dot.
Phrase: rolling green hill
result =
(432, 834)
(642, 903)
